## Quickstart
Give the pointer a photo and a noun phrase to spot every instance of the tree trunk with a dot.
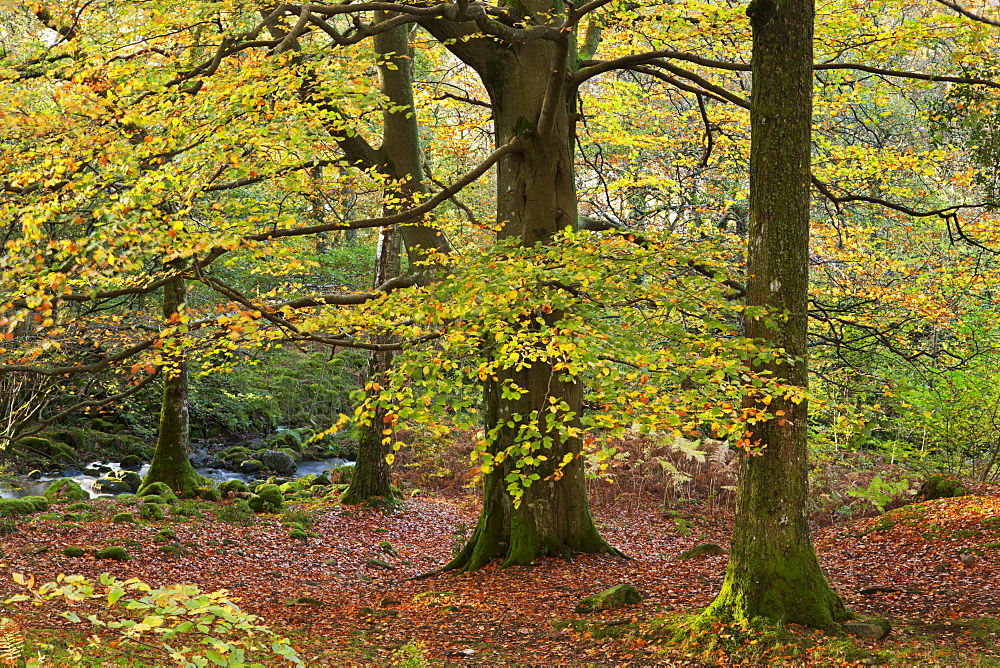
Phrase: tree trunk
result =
(372, 479)
(401, 160)
(773, 572)
(536, 197)
(171, 465)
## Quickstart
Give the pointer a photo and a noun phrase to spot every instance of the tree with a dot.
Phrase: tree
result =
(773, 572)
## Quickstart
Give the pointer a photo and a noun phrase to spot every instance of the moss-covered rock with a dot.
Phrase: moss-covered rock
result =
(73, 551)
(60, 453)
(158, 489)
(115, 552)
(77, 507)
(289, 488)
(39, 503)
(36, 444)
(209, 493)
(130, 463)
(618, 596)
(250, 466)
(111, 486)
(123, 518)
(940, 486)
(234, 455)
(15, 507)
(298, 534)
(64, 490)
(151, 511)
(130, 478)
(874, 629)
(268, 499)
(234, 486)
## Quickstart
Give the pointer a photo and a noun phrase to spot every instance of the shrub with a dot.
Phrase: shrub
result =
(213, 630)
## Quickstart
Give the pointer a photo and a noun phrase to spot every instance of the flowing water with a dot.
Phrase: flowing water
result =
(24, 487)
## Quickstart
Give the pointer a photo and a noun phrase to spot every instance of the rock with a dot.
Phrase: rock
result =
(66, 489)
(256, 444)
(940, 486)
(250, 466)
(940, 568)
(130, 478)
(967, 559)
(130, 463)
(618, 596)
(703, 550)
(35, 475)
(279, 461)
(117, 553)
(321, 480)
(874, 629)
(73, 551)
(111, 486)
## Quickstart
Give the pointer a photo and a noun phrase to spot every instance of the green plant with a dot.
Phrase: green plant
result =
(115, 552)
(880, 492)
(411, 655)
(237, 512)
(184, 625)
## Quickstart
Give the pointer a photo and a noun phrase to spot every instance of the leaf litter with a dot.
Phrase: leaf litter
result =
(933, 569)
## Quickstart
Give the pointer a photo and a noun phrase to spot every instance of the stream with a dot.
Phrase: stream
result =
(22, 486)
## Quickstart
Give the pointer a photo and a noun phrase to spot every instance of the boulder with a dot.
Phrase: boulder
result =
(875, 629)
(65, 489)
(279, 461)
(618, 596)
(111, 486)
(130, 463)
(250, 466)
(130, 478)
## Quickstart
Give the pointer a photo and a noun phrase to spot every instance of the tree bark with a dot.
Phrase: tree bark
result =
(773, 572)
(401, 160)
(171, 464)
(536, 198)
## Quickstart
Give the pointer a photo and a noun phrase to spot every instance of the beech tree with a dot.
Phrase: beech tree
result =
(773, 572)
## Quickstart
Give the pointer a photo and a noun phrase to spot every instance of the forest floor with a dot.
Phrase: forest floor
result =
(943, 611)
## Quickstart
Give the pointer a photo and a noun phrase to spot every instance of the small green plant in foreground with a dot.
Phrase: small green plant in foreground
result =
(180, 624)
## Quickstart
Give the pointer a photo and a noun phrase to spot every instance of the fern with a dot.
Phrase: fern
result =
(689, 449)
(11, 642)
(718, 452)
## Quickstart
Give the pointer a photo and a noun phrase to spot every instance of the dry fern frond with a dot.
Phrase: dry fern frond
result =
(11, 642)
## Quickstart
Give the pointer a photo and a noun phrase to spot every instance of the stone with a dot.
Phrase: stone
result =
(874, 629)
(130, 478)
(130, 463)
(280, 462)
(618, 596)
(111, 486)
(703, 550)
(250, 466)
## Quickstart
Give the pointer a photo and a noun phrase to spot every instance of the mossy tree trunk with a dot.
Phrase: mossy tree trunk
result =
(171, 464)
(773, 572)
(372, 479)
(400, 160)
(536, 198)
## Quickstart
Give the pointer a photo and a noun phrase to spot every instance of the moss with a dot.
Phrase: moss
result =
(130, 462)
(294, 454)
(158, 489)
(151, 511)
(39, 445)
(15, 507)
(269, 499)
(209, 493)
(298, 534)
(73, 551)
(121, 518)
(76, 507)
(235, 454)
(289, 488)
(38, 504)
(238, 512)
(703, 550)
(62, 454)
(65, 489)
(165, 534)
(115, 552)
(235, 486)
(940, 486)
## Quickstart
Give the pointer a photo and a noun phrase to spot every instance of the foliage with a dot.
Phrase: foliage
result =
(880, 492)
(236, 512)
(182, 624)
